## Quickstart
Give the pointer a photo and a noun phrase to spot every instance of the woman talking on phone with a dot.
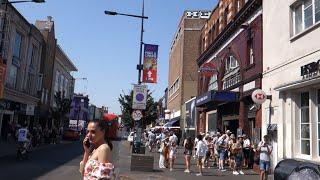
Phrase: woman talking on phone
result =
(96, 162)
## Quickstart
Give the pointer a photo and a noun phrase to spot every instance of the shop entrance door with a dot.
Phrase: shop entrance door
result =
(231, 125)
(5, 126)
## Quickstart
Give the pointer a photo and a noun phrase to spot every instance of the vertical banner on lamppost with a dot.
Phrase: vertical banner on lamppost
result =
(150, 58)
(139, 100)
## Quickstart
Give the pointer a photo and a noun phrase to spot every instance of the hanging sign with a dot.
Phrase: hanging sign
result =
(258, 96)
(139, 100)
(150, 63)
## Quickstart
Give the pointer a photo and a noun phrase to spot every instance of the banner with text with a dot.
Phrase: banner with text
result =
(139, 99)
(150, 57)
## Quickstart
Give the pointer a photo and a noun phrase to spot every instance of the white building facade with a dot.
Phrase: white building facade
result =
(291, 74)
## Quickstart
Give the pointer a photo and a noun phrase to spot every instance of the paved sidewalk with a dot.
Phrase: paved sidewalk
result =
(124, 159)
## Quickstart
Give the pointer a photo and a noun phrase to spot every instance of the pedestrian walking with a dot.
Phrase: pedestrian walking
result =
(223, 146)
(246, 150)
(172, 154)
(238, 151)
(265, 150)
(188, 147)
(200, 153)
(96, 162)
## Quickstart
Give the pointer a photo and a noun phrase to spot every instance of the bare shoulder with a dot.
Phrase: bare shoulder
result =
(104, 148)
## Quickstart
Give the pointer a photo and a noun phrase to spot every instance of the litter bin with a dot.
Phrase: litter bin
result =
(284, 169)
(290, 169)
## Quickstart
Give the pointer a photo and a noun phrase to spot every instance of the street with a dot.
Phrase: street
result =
(62, 162)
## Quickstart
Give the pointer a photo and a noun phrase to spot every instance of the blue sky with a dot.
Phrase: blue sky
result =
(106, 48)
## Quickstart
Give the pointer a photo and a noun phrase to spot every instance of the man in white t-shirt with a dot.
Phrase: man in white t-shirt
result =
(173, 138)
(246, 150)
(200, 153)
(23, 134)
(265, 150)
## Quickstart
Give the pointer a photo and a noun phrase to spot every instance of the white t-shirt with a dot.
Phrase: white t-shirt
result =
(22, 135)
(201, 148)
(264, 154)
(246, 143)
(173, 139)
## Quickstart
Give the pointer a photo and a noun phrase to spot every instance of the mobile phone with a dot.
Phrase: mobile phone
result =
(87, 143)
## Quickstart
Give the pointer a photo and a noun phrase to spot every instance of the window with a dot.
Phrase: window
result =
(305, 13)
(17, 45)
(39, 82)
(231, 63)
(213, 31)
(30, 82)
(56, 83)
(250, 53)
(305, 124)
(213, 83)
(238, 5)
(225, 17)
(12, 78)
(66, 93)
(61, 84)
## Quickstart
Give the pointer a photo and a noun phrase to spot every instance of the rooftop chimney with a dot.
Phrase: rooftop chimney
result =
(49, 18)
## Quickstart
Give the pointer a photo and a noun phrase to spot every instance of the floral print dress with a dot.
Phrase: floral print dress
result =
(95, 170)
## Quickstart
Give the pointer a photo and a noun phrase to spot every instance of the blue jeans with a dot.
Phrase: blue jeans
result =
(222, 154)
(264, 165)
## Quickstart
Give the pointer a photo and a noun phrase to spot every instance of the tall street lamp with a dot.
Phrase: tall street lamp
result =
(142, 17)
(6, 2)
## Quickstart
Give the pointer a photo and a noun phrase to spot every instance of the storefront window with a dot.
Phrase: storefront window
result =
(305, 124)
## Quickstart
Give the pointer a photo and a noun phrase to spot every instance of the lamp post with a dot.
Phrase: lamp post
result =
(6, 2)
(142, 17)
(136, 149)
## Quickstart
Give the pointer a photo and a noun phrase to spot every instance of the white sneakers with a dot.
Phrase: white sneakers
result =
(187, 171)
(237, 173)
(199, 174)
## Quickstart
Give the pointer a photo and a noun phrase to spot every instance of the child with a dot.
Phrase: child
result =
(172, 154)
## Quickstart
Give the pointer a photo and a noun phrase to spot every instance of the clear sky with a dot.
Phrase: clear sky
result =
(105, 49)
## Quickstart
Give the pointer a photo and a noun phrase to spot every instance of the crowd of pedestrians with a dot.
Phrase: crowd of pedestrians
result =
(224, 151)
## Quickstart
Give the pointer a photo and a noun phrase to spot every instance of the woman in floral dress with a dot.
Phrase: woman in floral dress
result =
(96, 163)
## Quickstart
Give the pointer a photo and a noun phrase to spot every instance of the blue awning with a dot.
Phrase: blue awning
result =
(216, 96)
(172, 122)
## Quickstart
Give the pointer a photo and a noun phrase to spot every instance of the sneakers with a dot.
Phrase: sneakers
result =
(223, 170)
(241, 172)
(199, 174)
(235, 173)
(171, 169)
(187, 171)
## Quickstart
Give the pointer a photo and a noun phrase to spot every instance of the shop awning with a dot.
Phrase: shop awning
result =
(298, 84)
(216, 96)
(173, 122)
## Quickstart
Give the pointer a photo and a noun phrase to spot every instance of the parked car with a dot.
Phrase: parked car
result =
(130, 137)
(71, 134)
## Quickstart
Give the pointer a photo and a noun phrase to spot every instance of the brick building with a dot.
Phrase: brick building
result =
(185, 49)
(231, 41)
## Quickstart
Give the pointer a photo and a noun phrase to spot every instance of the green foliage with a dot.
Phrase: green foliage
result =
(150, 114)
(61, 109)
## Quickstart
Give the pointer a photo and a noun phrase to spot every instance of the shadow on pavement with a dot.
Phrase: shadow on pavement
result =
(40, 162)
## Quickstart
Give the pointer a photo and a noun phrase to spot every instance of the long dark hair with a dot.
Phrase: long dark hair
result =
(102, 124)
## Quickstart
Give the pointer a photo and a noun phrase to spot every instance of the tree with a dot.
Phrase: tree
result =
(61, 108)
(150, 113)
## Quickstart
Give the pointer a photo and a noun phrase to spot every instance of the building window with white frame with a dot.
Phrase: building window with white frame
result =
(231, 63)
(12, 78)
(17, 45)
(305, 13)
(305, 138)
(213, 83)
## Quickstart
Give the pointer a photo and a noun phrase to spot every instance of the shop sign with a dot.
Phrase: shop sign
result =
(258, 96)
(208, 69)
(203, 99)
(137, 115)
(310, 70)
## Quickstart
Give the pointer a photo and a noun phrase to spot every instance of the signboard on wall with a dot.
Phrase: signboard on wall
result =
(190, 113)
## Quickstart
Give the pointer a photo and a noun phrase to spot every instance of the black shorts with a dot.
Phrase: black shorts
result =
(246, 153)
(188, 152)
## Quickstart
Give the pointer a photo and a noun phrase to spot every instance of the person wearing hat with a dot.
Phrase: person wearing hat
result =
(231, 154)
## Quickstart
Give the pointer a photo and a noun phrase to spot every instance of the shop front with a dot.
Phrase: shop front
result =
(208, 109)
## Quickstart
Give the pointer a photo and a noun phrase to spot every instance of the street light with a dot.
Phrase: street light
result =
(142, 17)
(6, 2)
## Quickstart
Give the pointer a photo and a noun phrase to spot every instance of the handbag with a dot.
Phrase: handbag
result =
(256, 158)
